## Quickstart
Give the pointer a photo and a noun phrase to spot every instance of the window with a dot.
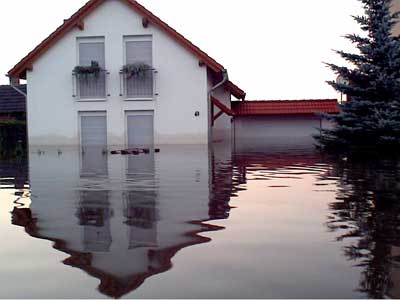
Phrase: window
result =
(139, 80)
(91, 51)
(140, 129)
(93, 132)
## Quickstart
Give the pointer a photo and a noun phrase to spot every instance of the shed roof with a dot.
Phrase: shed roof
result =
(11, 101)
(76, 20)
(285, 107)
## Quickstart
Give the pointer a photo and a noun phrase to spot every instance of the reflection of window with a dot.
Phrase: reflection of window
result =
(94, 215)
(139, 55)
(91, 216)
(91, 86)
(93, 162)
(140, 168)
(141, 216)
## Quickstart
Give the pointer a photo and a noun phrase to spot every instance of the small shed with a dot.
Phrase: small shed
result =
(281, 122)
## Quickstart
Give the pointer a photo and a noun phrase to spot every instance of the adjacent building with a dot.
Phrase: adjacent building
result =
(280, 123)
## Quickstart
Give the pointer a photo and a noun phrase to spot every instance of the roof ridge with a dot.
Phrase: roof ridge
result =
(281, 107)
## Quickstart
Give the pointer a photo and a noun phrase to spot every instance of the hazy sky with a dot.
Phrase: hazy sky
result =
(273, 49)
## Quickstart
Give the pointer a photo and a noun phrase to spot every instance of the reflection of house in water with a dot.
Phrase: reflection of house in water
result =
(122, 218)
(94, 211)
(140, 203)
(141, 215)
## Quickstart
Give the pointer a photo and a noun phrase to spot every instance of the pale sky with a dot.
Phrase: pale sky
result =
(273, 49)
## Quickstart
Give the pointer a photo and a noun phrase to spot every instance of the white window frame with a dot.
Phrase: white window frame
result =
(129, 113)
(86, 40)
(139, 38)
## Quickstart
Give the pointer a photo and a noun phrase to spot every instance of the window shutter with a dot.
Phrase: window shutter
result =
(140, 52)
(140, 131)
(92, 87)
(94, 131)
(89, 52)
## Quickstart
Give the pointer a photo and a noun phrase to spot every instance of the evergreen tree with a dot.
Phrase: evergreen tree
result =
(372, 116)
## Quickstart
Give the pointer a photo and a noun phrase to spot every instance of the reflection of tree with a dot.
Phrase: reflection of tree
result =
(368, 211)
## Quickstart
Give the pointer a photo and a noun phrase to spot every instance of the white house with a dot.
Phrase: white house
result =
(114, 75)
(146, 83)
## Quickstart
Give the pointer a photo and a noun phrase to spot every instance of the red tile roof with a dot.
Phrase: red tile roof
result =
(76, 20)
(284, 107)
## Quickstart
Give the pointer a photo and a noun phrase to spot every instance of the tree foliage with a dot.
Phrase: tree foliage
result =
(372, 117)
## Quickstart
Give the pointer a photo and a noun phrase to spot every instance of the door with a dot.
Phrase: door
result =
(93, 132)
(140, 129)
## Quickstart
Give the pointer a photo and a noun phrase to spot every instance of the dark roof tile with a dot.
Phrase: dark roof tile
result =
(11, 101)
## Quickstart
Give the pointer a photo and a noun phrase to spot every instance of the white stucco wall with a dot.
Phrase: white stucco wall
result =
(276, 131)
(181, 85)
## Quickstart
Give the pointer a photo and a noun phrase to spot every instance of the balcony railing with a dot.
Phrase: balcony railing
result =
(90, 86)
(138, 86)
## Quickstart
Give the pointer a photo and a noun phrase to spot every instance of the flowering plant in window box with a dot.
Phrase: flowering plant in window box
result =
(137, 70)
(88, 71)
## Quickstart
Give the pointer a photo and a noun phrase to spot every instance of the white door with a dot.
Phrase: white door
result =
(140, 129)
(93, 129)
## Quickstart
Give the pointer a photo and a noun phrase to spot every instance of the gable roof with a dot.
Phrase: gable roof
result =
(11, 101)
(76, 20)
(285, 107)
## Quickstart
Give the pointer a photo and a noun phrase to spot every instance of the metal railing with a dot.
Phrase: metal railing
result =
(138, 87)
(90, 86)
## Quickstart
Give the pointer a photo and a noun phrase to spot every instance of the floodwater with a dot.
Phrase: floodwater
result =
(194, 222)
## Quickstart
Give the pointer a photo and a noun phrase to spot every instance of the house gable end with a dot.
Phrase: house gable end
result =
(77, 21)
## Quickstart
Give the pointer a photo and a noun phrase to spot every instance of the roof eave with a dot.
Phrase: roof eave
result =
(235, 90)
